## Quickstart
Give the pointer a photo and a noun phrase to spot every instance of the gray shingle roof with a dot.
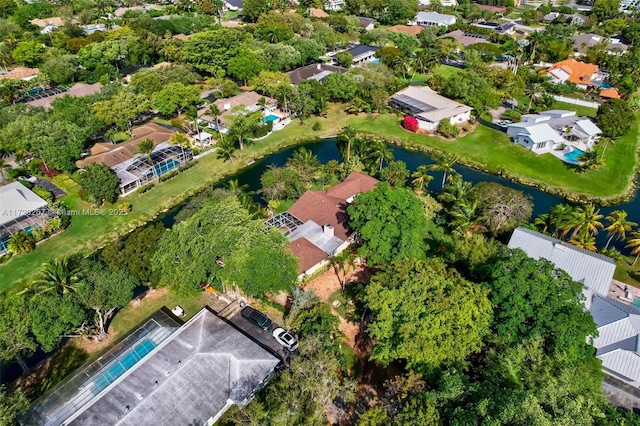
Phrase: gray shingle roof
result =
(593, 270)
(195, 375)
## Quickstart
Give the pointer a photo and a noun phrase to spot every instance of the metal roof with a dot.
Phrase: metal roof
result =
(593, 270)
(623, 363)
(16, 201)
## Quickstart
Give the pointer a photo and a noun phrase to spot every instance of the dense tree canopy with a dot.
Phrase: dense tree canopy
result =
(425, 314)
(391, 223)
(100, 182)
(223, 246)
(614, 118)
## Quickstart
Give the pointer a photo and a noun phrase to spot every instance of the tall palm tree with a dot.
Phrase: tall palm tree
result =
(421, 178)
(464, 216)
(584, 240)
(458, 190)
(262, 103)
(348, 133)
(633, 242)
(587, 219)
(303, 157)
(444, 163)
(531, 92)
(243, 123)
(145, 147)
(618, 226)
(543, 222)
(3, 167)
(590, 160)
(60, 276)
(378, 154)
(214, 112)
(181, 140)
(226, 150)
(563, 219)
(234, 186)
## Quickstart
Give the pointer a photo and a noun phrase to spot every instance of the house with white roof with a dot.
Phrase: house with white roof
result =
(558, 132)
(433, 19)
(618, 342)
(445, 3)
(20, 210)
(429, 108)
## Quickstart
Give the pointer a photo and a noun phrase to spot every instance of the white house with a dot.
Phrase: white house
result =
(428, 107)
(433, 19)
(363, 53)
(618, 323)
(20, 209)
(234, 5)
(547, 131)
(445, 3)
(333, 4)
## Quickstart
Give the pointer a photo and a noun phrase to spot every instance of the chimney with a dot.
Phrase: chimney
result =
(328, 230)
(227, 106)
(319, 66)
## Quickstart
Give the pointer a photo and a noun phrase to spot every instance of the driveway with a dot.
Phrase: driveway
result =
(46, 184)
(264, 338)
(621, 394)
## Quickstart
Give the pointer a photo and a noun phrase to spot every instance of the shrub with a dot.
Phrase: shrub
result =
(316, 126)
(54, 225)
(448, 130)
(21, 242)
(168, 176)
(146, 188)
(26, 183)
(513, 115)
(410, 123)
(44, 193)
(264, 130)
(100, 182)
(188, 165)
(125, 207)
(177, 122)
(38, 234)
(467, 128)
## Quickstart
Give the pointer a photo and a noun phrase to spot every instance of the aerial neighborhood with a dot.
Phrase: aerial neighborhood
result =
(244, 212)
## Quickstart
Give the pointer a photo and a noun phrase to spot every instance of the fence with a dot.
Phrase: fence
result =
(576, 101)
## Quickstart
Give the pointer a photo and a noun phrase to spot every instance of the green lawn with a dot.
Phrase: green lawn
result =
(120, 137)
(579, 109)
(486, 148)
(446, 71)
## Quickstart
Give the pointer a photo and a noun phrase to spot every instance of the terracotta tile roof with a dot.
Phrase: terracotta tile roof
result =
(323, 209)
(611, 93)
(55, 21)
(317, 13)
(110, 154)
(19, 73)
(413, 30)
(579, 72)
(354, 183)
(309, 254)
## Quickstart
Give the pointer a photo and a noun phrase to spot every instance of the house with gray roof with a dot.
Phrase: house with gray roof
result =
(20, 209)
(613, 46)
(594, 271)
(314, 72)
(363, 53)
(558, 132)
(428, 107)
(434, 19)
(618, 342)
(162, 374)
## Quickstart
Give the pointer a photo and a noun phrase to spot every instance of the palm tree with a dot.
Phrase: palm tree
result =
(445, 163)
(590, 160)
(421, 178)
(544, 222)
(234, 186)
(618, 226)
(145, 147)
(584, 240)
(304, 158)
(587, 219)
(262, 103)
(60, 276)
(458, 190)
(344, 262)
(464, 216)
(348, 133)
(226, 149)
(243, 124)
(633, 242)
(214, 112)
(562, 218)
(181, 140)
(4, 166)
(378, 154)
(531, 92)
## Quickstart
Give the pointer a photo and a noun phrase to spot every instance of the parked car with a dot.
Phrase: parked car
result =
(285, 338)
(257, 317)
(31, 179)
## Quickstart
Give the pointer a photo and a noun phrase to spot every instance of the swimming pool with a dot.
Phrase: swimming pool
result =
(270, 117)
(165, 167)
(573, 155)
(606, 85)
(375, 61)
(127, 361)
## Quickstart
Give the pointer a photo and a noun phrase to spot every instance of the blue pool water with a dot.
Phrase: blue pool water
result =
(636, 301)
(166, 167)
(375, 61)
(606, 85)
(573, 155)
(127, 361)
(269, 118)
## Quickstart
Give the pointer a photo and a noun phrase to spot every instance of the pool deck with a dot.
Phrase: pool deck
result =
(617, 291)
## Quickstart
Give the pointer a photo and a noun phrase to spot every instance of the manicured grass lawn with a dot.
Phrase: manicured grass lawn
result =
(579, 109)
(486, 148)
(120, 137)
(446, 71)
